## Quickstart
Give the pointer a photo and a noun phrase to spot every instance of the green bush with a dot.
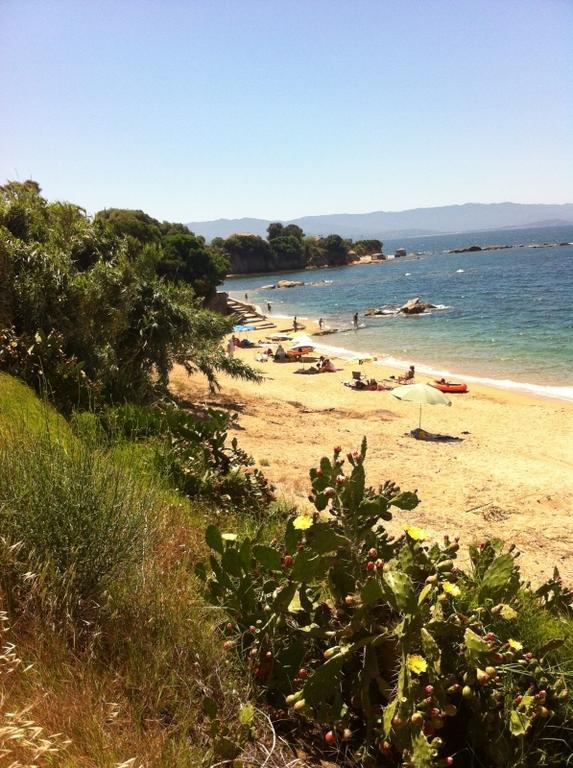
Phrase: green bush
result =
(73, 510)
(203, 464)
(189, 451)
(40, 360)
(384, 644)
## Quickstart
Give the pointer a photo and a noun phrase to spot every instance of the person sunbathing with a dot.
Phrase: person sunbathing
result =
(327, 366)
(408, 377)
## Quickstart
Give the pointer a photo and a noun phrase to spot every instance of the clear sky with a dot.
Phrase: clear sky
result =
(200, 109)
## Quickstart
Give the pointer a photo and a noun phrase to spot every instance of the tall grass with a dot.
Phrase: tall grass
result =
(86, 518)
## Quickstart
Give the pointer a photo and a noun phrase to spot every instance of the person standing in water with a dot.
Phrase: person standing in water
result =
(320, 323)
(269, 308)
(355, 321)
(246, 296)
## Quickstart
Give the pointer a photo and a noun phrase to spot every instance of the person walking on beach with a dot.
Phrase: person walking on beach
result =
(320, 323)
(355, 321)
(231, 347)
(269, 308)
(295, 324)
(246, 296)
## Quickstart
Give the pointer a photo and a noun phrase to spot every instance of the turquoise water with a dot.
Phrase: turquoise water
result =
(505, 316)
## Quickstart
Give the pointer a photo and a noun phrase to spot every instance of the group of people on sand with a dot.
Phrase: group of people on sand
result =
(235, 343)
(360, 382)
(323, 365)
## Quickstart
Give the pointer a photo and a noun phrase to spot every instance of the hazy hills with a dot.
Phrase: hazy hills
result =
(469, 217)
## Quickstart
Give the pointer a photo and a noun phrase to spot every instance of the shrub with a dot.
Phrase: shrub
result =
(202, 464)
(41, 361)
(383, 643)
(73, 510)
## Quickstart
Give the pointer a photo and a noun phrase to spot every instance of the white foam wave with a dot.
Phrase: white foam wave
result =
(341, 352)
(459, 271)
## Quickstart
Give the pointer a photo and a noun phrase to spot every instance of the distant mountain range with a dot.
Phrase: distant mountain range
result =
(469, 217)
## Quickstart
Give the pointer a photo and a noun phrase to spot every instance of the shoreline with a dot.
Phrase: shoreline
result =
(543, 392)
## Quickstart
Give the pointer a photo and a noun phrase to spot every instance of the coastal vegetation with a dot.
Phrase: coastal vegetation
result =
(99, 310)
(288, 248)
(160, 603)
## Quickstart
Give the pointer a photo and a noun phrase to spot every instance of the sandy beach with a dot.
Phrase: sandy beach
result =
(508, 474)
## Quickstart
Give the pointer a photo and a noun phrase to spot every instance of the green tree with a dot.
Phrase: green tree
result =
(366, 247)
(288, 253)
(274, 230)
(187, 258)
(134, 224)
(248, 253)
(23, 210)
(293, 230)
(335, 250)
(313, 254)
(82, 311)
(84, 240)
(169, 228)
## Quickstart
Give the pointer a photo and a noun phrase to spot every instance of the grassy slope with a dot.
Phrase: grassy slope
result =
(134, 687)
(20, 405)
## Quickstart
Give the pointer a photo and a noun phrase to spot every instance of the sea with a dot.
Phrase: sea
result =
(502, 318)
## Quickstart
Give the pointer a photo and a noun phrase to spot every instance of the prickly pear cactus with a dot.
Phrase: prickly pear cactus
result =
(382, 641)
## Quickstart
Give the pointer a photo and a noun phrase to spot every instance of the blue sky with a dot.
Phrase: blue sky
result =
(200, 109)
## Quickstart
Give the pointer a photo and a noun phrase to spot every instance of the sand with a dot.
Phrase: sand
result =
(508, 475)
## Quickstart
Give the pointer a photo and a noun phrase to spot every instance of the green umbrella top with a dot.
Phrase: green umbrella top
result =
(422, 394)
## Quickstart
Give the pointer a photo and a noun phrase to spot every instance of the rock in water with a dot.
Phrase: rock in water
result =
(415, 307)
(289, 283)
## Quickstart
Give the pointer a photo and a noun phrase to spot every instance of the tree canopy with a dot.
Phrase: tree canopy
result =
(102, 309)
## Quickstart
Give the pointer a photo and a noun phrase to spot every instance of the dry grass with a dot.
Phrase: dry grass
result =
(23, 742)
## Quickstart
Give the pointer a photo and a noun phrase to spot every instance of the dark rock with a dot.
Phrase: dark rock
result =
(471, 249)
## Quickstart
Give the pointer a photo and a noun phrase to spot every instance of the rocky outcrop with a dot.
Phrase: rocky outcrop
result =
(411, 307)
(287, 284)
(219, 303)
(373, 311)
(477, 248)
(470, 249)
(415, 307)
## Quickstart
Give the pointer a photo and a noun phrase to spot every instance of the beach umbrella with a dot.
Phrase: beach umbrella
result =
(422, 394)
(304, 344)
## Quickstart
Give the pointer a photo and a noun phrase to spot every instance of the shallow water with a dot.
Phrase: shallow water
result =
(505, 316)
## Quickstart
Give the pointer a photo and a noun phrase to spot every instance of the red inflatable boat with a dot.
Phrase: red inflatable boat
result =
(449, 386)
